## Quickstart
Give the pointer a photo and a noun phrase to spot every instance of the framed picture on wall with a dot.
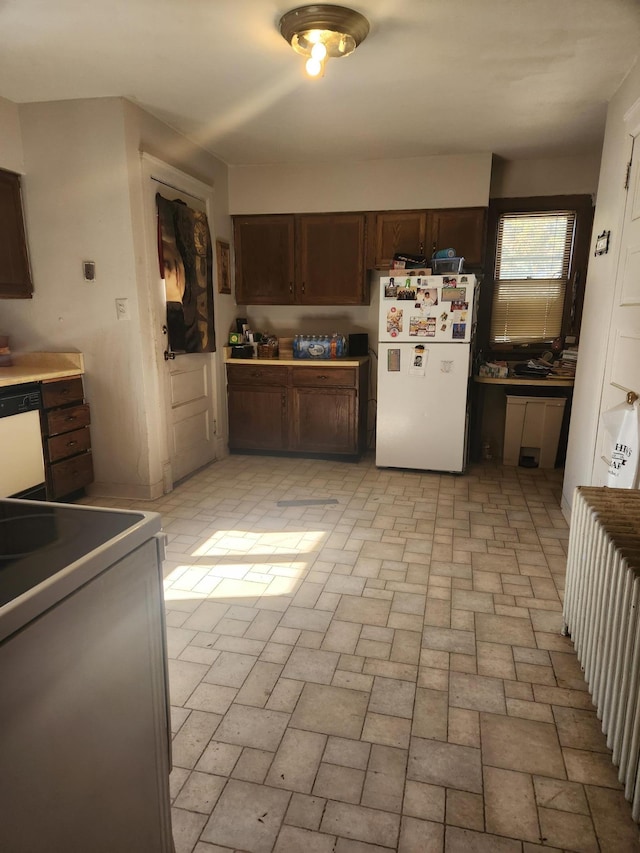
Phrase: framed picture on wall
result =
(222, 259)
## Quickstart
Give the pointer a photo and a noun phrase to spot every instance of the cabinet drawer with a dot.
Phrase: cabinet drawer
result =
(70, 475)
(68, 444)
(59, 393)
(324, 376)
(65, 420)
(243, 374)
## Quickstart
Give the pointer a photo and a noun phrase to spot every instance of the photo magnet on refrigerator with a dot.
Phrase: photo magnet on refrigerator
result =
(393, 361)
(419, 361)
(391, 289)
(426, 297)
(394, 321)
(454, 294)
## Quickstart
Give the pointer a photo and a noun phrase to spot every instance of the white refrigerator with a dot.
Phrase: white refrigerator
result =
(425, 330)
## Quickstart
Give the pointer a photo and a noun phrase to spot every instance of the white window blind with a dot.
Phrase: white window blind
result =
(533, 256)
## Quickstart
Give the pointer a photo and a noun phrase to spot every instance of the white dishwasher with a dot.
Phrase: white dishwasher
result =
(21, 459)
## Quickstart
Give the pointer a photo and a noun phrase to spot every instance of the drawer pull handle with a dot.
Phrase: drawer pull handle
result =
(64, 390)
(322, 377)
(71, 443)
(70, 418)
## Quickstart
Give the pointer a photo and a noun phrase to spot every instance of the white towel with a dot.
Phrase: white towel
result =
(623, 425)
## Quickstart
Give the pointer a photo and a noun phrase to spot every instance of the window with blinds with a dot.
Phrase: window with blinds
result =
(533, 256)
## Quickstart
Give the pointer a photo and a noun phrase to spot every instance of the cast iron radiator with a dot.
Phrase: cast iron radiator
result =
(601, 614)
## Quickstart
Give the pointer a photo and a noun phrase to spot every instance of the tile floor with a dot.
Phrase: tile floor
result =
(384, 672)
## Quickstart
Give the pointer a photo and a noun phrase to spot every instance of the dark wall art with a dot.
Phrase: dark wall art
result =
(186, 262)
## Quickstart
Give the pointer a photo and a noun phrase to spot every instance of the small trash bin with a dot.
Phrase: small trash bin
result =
(532, 430)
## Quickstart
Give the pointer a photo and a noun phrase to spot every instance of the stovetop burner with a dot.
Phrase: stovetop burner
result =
(24, 534)
(38, 540)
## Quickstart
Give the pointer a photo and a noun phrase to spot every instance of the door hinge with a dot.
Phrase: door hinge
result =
(215, 426)
(627, 176)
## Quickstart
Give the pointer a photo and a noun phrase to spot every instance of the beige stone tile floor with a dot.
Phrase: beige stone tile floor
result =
(385, 672)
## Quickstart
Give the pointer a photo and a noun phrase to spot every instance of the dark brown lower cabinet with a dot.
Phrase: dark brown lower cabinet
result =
(308, 409)
(257, 418)
(66, 437)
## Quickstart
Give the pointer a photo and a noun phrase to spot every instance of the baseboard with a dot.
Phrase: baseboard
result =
(126, 491)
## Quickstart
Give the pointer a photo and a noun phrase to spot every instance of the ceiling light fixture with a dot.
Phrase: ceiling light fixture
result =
(321, 31)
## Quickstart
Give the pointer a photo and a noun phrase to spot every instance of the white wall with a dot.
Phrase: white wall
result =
(554, 176)
(75, 195)
(82, 202)
(413, 183)
(601, 276)
(11, 153)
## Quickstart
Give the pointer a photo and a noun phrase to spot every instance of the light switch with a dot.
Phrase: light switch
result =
(122, 309)
(89, 270)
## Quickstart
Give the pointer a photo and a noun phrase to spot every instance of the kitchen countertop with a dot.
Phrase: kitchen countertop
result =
(41, 367)
(557, 382)
(349, 361)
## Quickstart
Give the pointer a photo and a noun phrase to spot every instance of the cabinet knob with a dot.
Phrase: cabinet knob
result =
(70, 418)
(71, 443)
(322, 377)
(291, 288)
(303, 286)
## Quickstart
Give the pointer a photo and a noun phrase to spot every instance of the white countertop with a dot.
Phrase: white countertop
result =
(41, 367)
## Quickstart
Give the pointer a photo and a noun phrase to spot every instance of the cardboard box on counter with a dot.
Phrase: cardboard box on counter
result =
(494, 370)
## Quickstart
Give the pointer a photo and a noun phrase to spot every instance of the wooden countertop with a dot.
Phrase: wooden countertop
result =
(349, 361)
(555, 382)
(41, 367)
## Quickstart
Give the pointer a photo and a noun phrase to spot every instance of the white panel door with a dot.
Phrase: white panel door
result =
(622, 369)
(187, 380)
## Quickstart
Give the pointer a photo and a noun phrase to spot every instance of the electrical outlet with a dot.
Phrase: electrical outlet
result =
(122, 309)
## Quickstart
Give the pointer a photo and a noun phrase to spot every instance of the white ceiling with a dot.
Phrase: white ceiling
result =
(520, 78)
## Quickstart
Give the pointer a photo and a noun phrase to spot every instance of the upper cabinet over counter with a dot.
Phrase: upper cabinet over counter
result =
(322, 258)
(423, 232)
(301, 259)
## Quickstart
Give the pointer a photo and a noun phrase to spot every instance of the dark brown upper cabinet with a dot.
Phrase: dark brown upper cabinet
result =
(300, 259)
(423, 232)
(331, 268)
(460, 228)
(15, 277)
(264, 254)
(399, 231)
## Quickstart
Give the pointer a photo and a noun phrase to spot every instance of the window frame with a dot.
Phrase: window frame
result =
(583, 207)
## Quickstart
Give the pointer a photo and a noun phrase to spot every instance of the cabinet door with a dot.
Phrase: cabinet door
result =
(331, 269)
(462, 229)
(324, 420)
(257, 418)
(398, 231)
(264, 253)
(15, 278)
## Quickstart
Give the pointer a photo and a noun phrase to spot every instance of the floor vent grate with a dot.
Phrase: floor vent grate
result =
(308, 502)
